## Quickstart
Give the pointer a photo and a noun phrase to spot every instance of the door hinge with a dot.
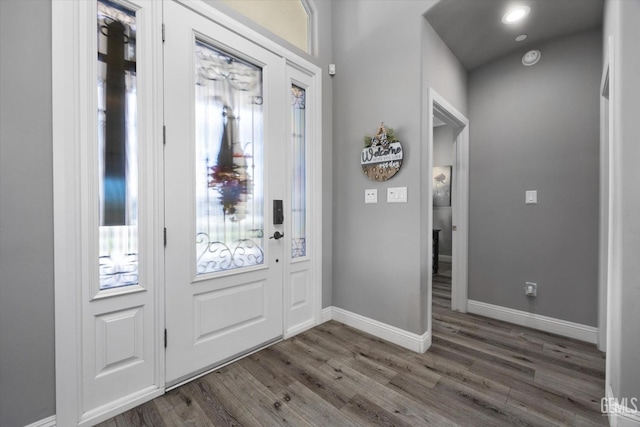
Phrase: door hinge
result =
(164, 134)
(165, 338)
(165, 237)
(163, 32)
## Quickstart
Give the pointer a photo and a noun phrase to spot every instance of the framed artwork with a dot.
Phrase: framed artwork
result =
(441, 183)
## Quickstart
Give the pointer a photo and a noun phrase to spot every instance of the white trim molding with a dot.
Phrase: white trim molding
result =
(409, 340)
(535, 321)
(618, 411)
(45, 422)
(327, 314)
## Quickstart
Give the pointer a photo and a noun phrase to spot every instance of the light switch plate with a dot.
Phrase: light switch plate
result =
(397, 195)
(531, 197)
(371, 195)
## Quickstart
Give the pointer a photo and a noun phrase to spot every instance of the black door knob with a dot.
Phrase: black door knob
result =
(277, 235)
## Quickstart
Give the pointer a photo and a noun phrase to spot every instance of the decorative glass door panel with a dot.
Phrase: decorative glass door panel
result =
(229, 166)
(299, 179)
(117, 146)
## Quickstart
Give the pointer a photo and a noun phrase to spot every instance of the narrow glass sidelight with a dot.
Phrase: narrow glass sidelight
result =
(299, 187)
(117, 146)
(229, 167)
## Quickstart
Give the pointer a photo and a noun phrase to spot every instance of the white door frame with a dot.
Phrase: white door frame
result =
(436, 104)
(606, 191)
(609, 338)
(70, 42)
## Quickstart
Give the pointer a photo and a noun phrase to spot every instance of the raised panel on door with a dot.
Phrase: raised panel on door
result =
(224, 116)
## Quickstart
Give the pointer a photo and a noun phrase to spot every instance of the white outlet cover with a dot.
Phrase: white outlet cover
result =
(371, 195)
(531, 289)
(531, 197)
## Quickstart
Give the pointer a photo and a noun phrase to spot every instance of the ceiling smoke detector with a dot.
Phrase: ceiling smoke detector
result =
(531, 57)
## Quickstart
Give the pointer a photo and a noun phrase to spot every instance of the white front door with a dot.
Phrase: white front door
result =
(225, 162)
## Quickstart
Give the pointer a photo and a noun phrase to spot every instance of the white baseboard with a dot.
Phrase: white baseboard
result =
(409, 340)
(326, 314)
(620, 415)
(445, 258)
(535, 321)
(45, 422)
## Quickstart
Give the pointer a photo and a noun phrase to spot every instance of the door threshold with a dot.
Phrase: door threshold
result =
(228, 361)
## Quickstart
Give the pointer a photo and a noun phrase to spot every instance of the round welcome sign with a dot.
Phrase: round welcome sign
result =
(382, 155)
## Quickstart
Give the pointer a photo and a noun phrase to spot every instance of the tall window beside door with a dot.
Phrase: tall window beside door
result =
(299, 181)
(117, 146)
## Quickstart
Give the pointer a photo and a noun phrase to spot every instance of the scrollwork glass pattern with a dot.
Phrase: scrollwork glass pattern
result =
(117, 146)
(299, 181)
(229, 162)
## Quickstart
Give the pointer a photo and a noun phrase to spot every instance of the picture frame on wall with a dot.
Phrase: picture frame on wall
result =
(441, 183)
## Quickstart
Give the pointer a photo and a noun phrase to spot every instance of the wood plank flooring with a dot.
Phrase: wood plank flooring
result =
(478, 372)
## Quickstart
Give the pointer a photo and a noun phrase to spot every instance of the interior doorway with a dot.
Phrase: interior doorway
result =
(442, 212)
(442, 114)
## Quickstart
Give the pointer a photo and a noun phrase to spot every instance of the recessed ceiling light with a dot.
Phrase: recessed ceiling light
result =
(521, 37)
(531, 57)
(516, 14)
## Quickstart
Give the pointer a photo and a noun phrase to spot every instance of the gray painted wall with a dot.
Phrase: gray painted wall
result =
(443, 155)
(27, 383)
(623, 347)
(628, 218)
(442, 71)
(324, 58)
(537, 128)
(385, 54)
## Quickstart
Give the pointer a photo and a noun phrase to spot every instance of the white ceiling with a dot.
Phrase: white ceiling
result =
(474, 32)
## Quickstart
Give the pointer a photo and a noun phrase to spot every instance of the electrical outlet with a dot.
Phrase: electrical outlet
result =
(371, 195)
(531, 197)
(531, 289)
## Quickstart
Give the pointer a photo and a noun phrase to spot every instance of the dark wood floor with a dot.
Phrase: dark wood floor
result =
(478, 372)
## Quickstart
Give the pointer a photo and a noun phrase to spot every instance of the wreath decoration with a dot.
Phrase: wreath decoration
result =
(382, 154)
